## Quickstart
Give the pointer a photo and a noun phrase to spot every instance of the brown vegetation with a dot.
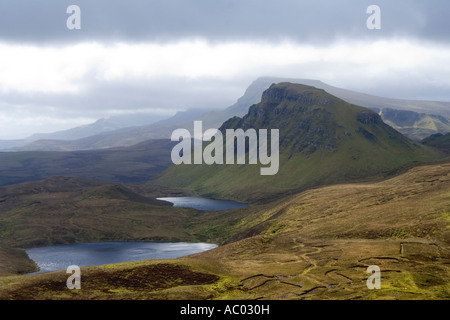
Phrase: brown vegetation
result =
(313, 245)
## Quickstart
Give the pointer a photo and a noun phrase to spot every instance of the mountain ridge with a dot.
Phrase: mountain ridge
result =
(101, 127)
(252, 95)
(323, 140)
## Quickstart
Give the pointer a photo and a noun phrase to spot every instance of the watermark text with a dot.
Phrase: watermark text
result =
(239, 145)
(74, 281)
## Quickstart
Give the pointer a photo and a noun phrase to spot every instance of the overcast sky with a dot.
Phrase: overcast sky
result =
(160, 56)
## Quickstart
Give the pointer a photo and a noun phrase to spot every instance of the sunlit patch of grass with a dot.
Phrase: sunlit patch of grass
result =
(446, 217)
(405, 286)
(400, 233)
(121, 291)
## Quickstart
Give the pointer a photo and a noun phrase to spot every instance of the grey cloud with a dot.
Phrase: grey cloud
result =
(102, 99)
(317, 21)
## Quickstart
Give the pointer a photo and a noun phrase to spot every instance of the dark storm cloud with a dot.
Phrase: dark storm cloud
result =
(320, 21)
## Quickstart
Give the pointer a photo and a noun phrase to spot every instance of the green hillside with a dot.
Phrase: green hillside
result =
(438, 141)
(323, 140)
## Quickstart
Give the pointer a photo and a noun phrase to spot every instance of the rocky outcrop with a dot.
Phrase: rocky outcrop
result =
(307, 97)
(369, 118)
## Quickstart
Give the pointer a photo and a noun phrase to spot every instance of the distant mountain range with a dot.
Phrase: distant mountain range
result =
(112, 125)
(357, 151)
(425, 118)
(323, 140)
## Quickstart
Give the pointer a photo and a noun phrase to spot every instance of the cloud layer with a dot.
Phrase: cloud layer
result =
(318, 21)
(163, 56)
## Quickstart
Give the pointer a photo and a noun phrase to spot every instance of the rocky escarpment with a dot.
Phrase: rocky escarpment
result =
(303, 115)
(276, 94)
(368, 117)
(322, 140)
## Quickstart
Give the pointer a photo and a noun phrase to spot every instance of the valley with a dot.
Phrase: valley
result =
(351, 192)
(313, 245)
(134, 164)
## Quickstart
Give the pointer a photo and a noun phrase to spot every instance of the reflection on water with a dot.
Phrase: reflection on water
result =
(203, 203)
(93, 254)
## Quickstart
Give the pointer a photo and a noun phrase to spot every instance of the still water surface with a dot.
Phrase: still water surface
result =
(203, 203)
(94, 254)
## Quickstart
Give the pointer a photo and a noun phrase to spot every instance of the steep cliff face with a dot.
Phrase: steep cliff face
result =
(310, 119)
(310, 97)
(369, 118)
(322, 140)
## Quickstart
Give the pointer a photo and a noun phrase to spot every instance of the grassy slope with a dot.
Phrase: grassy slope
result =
(439, 141)
(323, 140)
(313, 245)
